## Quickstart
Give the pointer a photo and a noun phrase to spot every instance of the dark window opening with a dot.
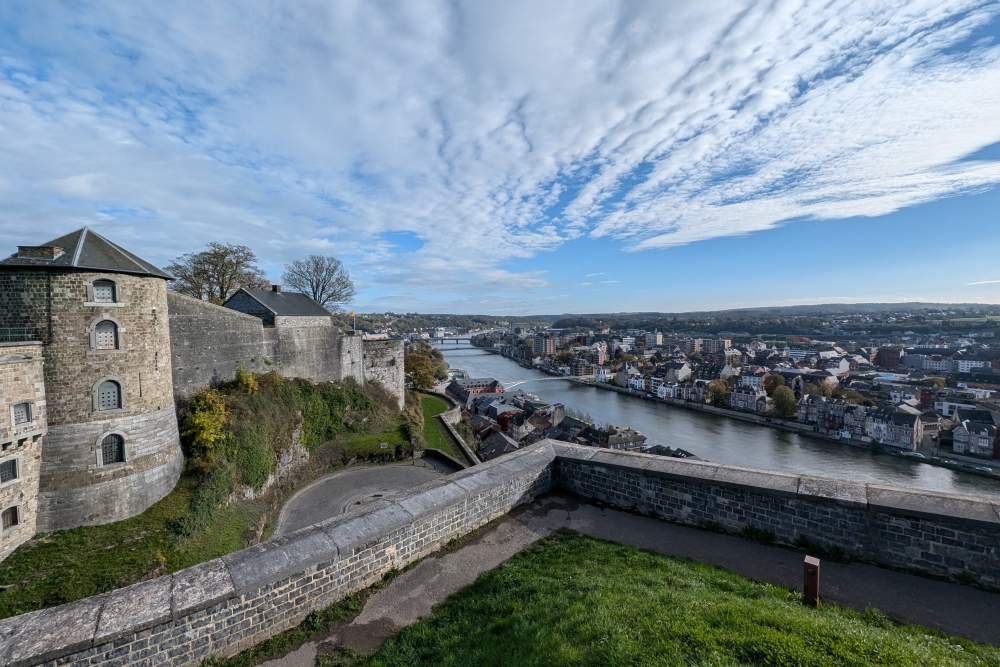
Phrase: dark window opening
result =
(10, 518)
(8, 471)
(113, 449)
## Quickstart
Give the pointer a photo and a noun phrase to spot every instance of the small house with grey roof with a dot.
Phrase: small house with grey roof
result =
(280, 309)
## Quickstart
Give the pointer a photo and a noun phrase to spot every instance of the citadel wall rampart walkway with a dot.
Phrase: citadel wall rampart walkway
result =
(225, 605)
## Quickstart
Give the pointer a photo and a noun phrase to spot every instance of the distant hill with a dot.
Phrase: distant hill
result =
(812, 309)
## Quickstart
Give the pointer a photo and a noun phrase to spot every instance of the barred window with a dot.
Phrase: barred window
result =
(109, 395)
(104, 291)
(113, 449)
(22, 413)
(10, 518)
(107, 335)
(8, 470)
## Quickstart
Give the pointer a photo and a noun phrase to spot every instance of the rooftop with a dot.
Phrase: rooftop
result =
(83, 250)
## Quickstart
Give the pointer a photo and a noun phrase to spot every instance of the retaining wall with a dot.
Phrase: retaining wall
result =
(223, 606)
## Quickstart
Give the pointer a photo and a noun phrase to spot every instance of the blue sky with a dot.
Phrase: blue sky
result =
(522, 157)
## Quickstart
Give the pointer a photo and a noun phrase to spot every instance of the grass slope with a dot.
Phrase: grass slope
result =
(434, 436)
(574, 600)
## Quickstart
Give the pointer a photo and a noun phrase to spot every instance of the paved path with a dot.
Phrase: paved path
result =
(958, 610)
(339, 492)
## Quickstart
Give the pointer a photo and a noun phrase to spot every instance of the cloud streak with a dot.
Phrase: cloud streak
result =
(496, 132)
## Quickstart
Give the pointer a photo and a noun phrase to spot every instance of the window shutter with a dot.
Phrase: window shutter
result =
(22, 413)
(104, 291)
(109, 396)
(107, 335)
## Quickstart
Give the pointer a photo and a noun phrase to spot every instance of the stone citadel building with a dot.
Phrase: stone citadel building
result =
(93, 351)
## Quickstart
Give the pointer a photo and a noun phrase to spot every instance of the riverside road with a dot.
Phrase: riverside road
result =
(716, 438)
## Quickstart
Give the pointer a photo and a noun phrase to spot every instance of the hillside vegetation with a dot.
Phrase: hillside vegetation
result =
(237, 438)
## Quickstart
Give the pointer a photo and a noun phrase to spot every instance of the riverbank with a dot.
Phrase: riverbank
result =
(794, 427)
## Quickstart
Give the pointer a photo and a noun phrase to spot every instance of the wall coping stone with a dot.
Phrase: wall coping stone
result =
(201, 586)
(841, 492)
(359, 528)
(942, 507)
(681, 469)
(51, 633)
(141, 605)
(428, 498)
(750, 479)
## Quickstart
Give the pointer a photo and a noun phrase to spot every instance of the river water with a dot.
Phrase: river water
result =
(719, 439)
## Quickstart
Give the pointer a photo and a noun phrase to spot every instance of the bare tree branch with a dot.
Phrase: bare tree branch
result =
(215, 273)
(323, 278)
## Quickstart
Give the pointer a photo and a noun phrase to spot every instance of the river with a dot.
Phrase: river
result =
(719, 439)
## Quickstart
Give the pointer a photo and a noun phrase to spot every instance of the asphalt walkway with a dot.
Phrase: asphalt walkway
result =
(958, 610)
(339, 492)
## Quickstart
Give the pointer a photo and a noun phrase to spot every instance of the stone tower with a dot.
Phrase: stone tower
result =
(112, 447)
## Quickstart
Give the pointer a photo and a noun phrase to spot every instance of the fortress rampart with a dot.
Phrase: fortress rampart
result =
(223, 606)
(208, 342)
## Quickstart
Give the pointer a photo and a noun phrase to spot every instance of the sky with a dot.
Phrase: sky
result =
(522, 157)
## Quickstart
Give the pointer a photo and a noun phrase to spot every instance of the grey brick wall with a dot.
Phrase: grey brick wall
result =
(934, 533)
(208, 342)
(224, 606)
(384, 364)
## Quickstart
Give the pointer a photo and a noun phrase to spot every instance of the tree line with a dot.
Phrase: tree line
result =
(217, 272)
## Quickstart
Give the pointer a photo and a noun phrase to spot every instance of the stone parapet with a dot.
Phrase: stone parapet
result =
(223, 606)
(951, 536)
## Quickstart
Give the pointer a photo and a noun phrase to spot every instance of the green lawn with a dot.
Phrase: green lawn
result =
(574, 600)
(434, 436)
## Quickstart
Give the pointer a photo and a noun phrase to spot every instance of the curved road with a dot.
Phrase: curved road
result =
(340, 492)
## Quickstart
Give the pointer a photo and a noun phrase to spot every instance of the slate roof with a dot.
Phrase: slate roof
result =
(286, 303)
(86, 250)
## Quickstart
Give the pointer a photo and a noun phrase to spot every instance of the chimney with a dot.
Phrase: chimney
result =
(275, 288)
(38, 251)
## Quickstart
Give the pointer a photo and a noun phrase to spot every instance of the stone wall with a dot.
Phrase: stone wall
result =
(208, 342)
(951, 536)
(60, 306)
(21, 381)
(384, 364)
(224, 606)
(77, 488)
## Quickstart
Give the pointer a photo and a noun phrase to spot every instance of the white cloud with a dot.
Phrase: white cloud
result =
(494, 131)
(608, 282)
(984, 282)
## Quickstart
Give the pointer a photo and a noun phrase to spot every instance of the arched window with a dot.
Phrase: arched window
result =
(106, 335)
(112, 449)
(109, 395)
(104, 291)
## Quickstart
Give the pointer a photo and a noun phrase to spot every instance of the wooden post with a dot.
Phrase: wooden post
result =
(810, 581)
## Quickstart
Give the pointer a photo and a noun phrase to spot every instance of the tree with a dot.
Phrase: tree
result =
(418, 371)
(716, 392)
(323, 278)
(771, 382)
(214, 274)
(785, 405)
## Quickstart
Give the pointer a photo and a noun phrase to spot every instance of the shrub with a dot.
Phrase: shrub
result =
(203, 427)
